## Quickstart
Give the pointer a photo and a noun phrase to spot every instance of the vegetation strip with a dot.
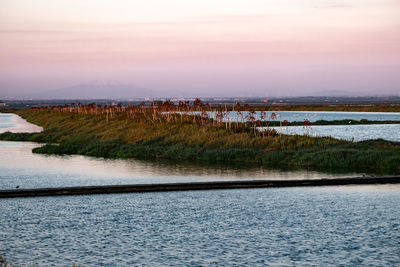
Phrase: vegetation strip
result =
(163, 131)
(141, 188)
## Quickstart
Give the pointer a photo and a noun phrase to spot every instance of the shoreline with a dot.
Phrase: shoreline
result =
(141, 134)
(168, 187)
(21, 125)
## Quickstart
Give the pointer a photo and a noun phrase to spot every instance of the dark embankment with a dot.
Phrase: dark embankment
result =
(147, 134)
(334, 122)
(141, 188)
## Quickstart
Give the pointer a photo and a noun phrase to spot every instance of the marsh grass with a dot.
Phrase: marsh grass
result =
(144, 133)
(3, 262)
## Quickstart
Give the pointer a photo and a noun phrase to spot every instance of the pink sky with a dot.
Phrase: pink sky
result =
(286, 47)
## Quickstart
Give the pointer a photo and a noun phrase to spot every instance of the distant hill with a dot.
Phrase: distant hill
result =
(98, 91)
(333, 93)
(349, 93)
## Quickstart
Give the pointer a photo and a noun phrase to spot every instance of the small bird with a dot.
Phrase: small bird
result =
(17, 186)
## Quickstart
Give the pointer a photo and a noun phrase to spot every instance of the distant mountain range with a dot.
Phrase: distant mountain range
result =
(334, 93)
(99, 91)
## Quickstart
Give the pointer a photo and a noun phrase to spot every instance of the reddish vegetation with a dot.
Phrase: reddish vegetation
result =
(197, 112)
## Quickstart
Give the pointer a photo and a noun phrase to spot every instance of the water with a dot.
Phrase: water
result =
(313, 116)
(328, 226)
(13, 123)
(36, 170)
(6, 121)
(390, 132)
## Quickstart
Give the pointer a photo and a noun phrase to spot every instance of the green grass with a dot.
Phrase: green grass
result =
(120, 137)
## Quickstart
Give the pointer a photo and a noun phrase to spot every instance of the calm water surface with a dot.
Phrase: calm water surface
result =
(390, 132)
(316, 115)
(14, 123)
(6, 121)
(20, 167)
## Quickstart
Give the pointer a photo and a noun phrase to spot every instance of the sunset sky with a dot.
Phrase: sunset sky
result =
(235, 47)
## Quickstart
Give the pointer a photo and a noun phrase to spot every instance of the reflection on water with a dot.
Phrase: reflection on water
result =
(14, 123)
(345, 225)
(6, 121)
(390, 132)
(19, 166)
(312, 116)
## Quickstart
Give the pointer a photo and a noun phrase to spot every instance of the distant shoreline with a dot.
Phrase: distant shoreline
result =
(258, 104)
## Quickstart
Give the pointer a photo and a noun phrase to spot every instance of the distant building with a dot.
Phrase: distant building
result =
(2, 104)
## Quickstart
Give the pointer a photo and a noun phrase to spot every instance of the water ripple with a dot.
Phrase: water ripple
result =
(352, 226)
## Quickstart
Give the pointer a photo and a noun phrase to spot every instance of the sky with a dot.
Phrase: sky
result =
(208, 47)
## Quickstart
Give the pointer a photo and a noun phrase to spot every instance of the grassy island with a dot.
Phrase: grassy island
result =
(185, 132)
